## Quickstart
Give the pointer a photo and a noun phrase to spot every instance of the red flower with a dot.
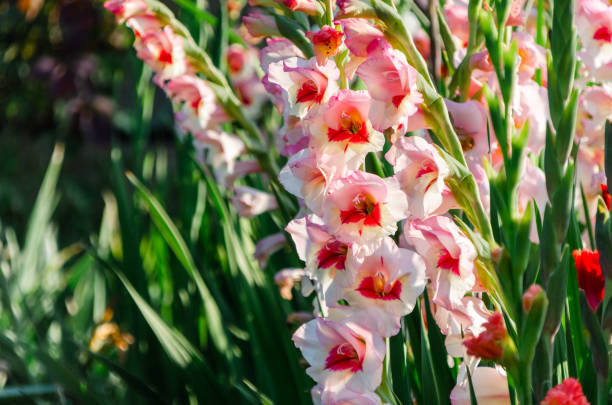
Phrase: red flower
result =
(605, 194)
(590, 277)
(488, 345)
(531, 293)
(569, 392)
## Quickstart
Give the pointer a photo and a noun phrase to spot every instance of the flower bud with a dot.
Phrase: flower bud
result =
(568, 392)
(590, 277)
(532, 292)
(489, 345)
(260, 25)
(286, 278)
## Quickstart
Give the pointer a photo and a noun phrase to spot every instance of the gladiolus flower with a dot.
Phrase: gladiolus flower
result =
(304, 83)
(250, 202)
(449, 256)
(197, 99)
(569, 392)
(344, 397)
(267, 246)
(310, 7)
(326, 43)
(391, 279)
(163, 51)
(421, 172)
(590, 276)
(470, 123)
(343, 127)
(260, 25)
(490, 387)
(286, 278)
(363, 208)
(343, 355)
(124, 9)
(361, 37)
(488, 345)
(391, 82)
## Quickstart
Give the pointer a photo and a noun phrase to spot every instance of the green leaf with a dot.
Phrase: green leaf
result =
(174, 239)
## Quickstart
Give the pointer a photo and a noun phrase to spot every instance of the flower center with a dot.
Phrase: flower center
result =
(343, 357)
(448, 262)
(309, 92)
(376, 287)
(466, 139)
(332, 254)
(352, 128)
(364, 208)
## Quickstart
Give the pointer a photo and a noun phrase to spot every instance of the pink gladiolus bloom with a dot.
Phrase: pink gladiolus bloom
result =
(456, 13)
(343, 355)
(449, 256)
(286, 278)
(163, 51)
(363, 207)
(124, 9)
(594, 109)
(293, 137)
(517, 15)
(241, 169)
(277, 49)
(223, 150)
(308, 176)
(250, 202)
(569, 392)
(490, 387)
(197, 99)
(391, 279)
(531, 104)
(421, 171)
(361, 37)
(310, 7)
(326, 42)
(267, 246)
(342, 126)
(391, 82)
(594, 26)
(344, 397)
(260, 25)
(241, 62)
(304, 83)
(532, 186)
(470, 123)
(532, 55)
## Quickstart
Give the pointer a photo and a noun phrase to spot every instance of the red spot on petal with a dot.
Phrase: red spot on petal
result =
(364, 208)
(397, 100)
(448, 262)
(603, 34)
(332, 254)
(309, 91)
(343, 357)
(165, 56)
(375, 288)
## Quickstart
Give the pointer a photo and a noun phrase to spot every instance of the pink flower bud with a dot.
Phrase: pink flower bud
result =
(530, 295)
(124, 9)
(310, 7)
(260, 25)
(568, 392)
(250, 202)
(286, 278)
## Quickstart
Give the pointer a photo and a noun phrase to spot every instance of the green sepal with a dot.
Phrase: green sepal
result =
(522, 243)
(556, 290)
(567, 128)
(552, 167)
(548, 246)
(561, 201)
(595, 337)
(603, 238)
(532, 328)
